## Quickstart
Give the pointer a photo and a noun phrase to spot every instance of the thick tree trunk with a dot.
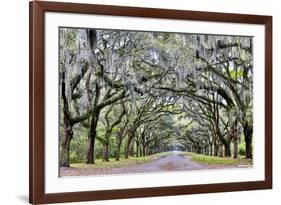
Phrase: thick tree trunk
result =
(234, 134)
(65, 146)
(248, 142)
(132, 148)
(235, 147)
(227, 150)
(216, 149)
(140, 151)
(68, 133)
(143, 149)
(211, 149)
(91, 138)
(127, 146)
(248, 132)
(220, 150)
(138, 148)
(128, 143)
(106, 152)
(91, 145)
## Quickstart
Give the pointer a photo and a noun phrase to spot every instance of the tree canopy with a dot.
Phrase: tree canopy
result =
(132, 93)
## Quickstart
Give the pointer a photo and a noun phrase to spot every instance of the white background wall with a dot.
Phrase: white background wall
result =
(14, 100)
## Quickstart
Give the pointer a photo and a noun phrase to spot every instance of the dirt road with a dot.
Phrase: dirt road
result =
(174, 162)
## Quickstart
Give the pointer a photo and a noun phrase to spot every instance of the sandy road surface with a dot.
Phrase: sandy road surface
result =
(174, 162)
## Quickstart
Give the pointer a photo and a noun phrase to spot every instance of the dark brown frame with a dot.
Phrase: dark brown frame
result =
(37, 95)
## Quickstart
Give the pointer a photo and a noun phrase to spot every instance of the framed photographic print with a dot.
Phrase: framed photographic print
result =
(139, 102)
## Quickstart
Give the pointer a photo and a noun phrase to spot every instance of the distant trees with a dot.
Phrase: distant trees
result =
(110, 123)
(145, 92)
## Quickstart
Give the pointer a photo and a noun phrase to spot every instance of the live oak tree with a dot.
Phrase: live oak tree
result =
(151, 92)
(230, 59)
(72, 71)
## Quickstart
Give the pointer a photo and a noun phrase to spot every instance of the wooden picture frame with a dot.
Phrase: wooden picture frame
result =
(37, 10)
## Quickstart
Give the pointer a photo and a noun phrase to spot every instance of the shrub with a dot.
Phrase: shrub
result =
(73, 157)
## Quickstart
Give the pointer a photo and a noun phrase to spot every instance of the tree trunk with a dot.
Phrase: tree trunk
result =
(117, 152)
(211, 149)
(235, 147)
(143, 149)
(127, 146)
(65, 146)
(198, 150)
(128, 143)
(220, 150)
(105, 152)
(132, 148)
(91, 138)
(68, 133)
(248, 131)
(227, 150)
(207, 150)
(90, 152)
(235, 141)
(138, 148)
(216, 149)
(106, 145)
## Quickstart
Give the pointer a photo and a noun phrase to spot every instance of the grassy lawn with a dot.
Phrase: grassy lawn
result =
(121, 163)
(218, 160)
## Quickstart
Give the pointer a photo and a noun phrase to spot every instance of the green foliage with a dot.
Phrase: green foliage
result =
(98, 150)
(78, 147)
(73, 157)
(241, 147)
(235, 74)
(186, 90)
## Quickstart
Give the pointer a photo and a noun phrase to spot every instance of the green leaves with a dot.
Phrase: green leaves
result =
(176, 89)
(235, 74)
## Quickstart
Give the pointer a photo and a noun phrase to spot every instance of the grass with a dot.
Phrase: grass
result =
(219, 160)
(121, 163)
(200, 158)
